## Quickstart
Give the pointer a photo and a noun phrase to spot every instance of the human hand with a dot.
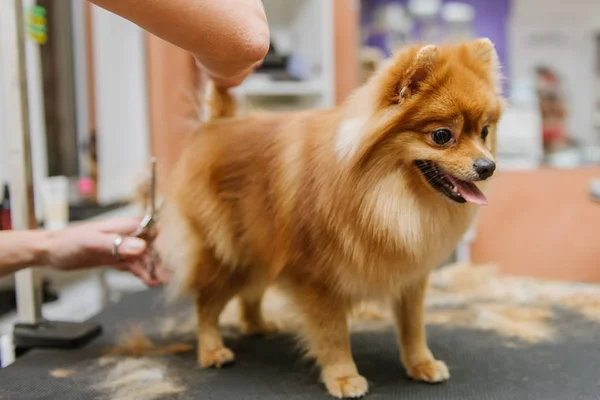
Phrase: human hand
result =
(90, 244)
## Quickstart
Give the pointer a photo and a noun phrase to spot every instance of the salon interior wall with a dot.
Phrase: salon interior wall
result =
(120, 108)
(559, 34)
(36, 119)
(490, 20)
(346, 17)
(173, 78)
(4, 176)
(4, 167)
(532, 32)
(121, 104)
(173, 75)
(36, 125)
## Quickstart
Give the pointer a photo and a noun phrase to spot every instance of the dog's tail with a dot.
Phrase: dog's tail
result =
(217, 103)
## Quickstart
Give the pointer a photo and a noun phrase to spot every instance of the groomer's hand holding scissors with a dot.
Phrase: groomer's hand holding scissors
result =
(91, 245)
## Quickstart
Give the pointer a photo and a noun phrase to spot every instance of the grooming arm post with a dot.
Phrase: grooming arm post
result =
(19, 146)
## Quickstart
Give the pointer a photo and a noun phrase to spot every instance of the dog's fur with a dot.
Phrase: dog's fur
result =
(330, 205)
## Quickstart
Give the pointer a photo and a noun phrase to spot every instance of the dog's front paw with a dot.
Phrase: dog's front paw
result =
(347, 387)
(431, 371)
(216, 357)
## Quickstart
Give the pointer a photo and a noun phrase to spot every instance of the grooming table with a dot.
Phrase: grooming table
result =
(483, 365)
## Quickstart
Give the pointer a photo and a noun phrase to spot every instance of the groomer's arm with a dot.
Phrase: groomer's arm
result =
(81, 246)
(228, 37)
(20, 249)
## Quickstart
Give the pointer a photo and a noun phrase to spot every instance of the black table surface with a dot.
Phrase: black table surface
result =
(481, 364)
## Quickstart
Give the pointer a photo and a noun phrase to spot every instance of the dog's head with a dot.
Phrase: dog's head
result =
(433, 110)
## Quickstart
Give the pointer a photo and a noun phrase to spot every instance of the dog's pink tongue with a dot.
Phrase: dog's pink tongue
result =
(470, 192)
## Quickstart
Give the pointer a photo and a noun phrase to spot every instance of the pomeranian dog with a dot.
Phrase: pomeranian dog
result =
(336, 206)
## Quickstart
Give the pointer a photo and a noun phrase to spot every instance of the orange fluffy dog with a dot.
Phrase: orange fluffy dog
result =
(337, 206)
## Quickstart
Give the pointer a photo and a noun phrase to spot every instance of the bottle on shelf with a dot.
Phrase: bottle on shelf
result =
(5, 219)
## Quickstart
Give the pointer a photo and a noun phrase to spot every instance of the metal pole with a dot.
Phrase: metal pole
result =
(78, 31)
(12, 45)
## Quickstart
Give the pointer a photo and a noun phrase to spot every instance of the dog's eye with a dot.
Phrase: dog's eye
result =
(441, 136)
(484, 133)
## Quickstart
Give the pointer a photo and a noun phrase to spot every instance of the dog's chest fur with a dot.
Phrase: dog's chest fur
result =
(397, 237)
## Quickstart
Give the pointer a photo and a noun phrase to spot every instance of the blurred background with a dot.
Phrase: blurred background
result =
(105, 96)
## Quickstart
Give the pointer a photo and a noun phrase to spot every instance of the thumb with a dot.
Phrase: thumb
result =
(132, 246)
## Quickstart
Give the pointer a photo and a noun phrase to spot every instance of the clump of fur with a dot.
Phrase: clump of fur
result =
(139, 379)
(135, 343)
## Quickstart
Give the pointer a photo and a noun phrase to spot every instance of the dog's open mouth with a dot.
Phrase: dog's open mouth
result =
(455, 189)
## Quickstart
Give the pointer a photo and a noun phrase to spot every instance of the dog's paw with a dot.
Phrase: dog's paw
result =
(347, 387)
(432, 371)
(216, 358)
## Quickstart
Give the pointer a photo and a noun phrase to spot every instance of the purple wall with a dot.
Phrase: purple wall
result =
(491, 21)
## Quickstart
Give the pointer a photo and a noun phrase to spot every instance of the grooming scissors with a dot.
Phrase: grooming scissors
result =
(146, 226)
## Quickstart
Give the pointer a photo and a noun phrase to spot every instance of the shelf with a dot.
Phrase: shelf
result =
(282, 88)
(303, 30)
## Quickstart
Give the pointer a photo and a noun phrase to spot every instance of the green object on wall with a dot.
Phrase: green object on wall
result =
(36, 24)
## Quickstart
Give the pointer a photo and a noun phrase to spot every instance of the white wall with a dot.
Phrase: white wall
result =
(121, 104)
(559, 34)
(304, 28)
(3, 138)
(8, 281)
(556, 8)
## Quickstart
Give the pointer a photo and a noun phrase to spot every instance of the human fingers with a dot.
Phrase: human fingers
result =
(140, 270)
(116, 225)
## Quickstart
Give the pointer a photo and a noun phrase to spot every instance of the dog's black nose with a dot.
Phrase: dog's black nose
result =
(484, 168)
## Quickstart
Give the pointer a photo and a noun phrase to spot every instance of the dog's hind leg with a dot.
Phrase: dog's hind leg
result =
(210, 302)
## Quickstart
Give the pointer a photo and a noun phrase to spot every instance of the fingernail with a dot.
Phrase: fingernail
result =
(132, 246)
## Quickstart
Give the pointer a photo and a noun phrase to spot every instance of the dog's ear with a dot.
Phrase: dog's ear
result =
(484, 53)
(422, 66)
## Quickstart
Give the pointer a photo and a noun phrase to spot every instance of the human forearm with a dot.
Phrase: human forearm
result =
(21, 249)
(80, 246)
(228, 37)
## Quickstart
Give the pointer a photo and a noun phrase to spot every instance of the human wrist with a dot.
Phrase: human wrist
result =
(42, 247)
(23, 249)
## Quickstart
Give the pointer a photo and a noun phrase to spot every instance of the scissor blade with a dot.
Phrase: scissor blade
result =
(153, 188)
(152, 215)
(143, 226)
(151, 263)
